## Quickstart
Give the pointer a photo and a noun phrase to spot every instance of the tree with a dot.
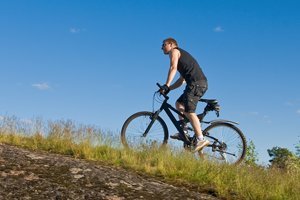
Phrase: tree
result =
(251, 154)
(280, 157)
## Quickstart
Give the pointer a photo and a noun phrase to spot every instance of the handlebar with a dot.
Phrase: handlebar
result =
(160, 88)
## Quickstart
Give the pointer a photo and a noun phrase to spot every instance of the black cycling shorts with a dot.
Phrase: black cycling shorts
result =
(191, 95)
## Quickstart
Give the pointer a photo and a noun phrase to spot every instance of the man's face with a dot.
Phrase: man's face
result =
(166, 47)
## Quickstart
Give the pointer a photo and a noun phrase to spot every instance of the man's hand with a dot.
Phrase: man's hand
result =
(164, 89)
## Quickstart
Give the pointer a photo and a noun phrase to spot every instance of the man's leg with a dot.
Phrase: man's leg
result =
(180, 108)
(195, 123)
(201, 142)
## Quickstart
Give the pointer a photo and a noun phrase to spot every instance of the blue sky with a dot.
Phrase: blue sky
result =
(97, 62)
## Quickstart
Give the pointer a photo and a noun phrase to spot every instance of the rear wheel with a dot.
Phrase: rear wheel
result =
(227, 143)
(133, 131)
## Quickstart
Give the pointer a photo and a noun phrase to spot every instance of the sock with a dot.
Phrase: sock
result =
(200, 138)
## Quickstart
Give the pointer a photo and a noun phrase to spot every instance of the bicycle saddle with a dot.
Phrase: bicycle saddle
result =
(209, 101)
(212, 104)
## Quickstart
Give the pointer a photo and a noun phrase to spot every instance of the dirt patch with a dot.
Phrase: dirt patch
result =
(28, 174)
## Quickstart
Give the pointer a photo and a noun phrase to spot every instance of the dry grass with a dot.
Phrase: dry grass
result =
(89, 142)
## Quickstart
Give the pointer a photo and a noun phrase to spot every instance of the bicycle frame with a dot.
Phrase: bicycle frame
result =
(168, 108)
(177, 123)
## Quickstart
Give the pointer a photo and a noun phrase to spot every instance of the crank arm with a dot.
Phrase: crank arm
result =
(232, 154)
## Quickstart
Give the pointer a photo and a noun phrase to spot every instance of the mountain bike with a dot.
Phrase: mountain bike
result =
(148, 129)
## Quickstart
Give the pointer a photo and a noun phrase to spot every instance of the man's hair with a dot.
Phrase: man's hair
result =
(171, 40)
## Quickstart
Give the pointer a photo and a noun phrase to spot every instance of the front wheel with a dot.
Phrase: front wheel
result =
(227, 143)
(143, 129)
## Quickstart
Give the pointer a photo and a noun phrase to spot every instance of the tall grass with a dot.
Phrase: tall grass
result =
(89, 142)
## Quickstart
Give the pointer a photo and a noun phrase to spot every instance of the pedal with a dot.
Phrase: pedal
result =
(176, 136)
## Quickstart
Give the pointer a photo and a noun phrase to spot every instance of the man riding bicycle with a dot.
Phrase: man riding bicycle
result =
(193, 76)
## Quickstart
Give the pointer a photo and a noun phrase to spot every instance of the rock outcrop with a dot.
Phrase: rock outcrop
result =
(41, 175)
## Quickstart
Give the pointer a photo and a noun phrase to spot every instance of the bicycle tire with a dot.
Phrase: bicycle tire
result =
(232, 139)
(135, 126)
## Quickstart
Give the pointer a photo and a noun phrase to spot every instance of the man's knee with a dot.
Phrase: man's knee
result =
(179, 106)
(189, 114)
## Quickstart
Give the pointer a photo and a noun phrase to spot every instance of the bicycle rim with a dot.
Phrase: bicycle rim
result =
(227, 143)
(133, 130)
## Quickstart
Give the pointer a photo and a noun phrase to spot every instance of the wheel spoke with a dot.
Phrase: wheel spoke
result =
(230, 144)
(134, 133)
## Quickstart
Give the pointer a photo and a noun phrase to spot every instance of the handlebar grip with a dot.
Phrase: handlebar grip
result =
(160, 87)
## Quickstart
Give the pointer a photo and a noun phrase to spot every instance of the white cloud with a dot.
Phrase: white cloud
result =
(218, 29)
(267, 119)
(41, 86)
(298, 111)
(74, 30)
(260, 117)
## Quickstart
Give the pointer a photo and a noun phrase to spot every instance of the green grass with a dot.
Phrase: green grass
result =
(88, 142)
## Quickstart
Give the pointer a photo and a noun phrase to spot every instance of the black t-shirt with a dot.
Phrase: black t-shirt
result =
(189, 68)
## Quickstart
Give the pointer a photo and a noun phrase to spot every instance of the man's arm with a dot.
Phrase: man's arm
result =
(174, 57)
(178, 83)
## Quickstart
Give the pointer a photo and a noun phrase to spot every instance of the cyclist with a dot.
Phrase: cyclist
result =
(192, 75)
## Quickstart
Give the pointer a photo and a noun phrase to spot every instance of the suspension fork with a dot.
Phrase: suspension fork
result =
(153, 118)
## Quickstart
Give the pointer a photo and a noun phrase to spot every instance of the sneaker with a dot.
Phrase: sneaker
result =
(179, 136)
(200, 145)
